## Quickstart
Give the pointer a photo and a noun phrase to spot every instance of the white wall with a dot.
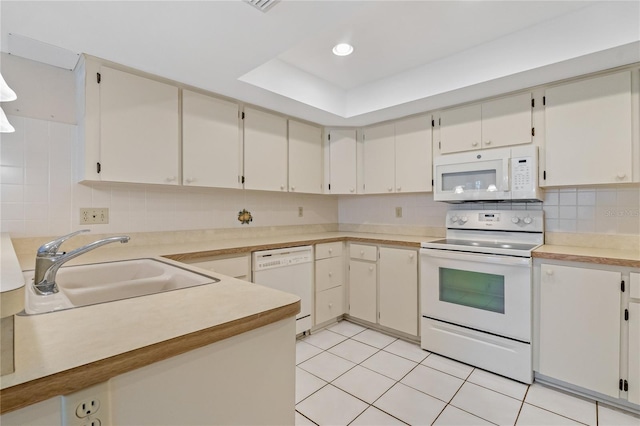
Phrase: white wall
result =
(571, 210)
(38, 196)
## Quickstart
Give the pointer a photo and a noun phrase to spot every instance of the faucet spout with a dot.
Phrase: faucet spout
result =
(49, 261)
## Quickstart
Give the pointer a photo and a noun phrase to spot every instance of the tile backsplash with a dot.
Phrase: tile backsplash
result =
(39, 197)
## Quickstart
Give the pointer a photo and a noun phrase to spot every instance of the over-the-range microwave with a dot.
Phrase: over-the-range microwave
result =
(501, 174)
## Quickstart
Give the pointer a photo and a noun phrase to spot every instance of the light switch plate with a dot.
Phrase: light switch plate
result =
(94, 215)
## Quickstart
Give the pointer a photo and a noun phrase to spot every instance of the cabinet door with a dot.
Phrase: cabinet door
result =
(138, 129)
(362, 290)
(399, 289)
(329, 273)
(211, 145)
(580, 327)
(329, 304)
(634, 353)
(588, 131)
(305, 158)
(413, 154)
(507, 121)
(265, 151)
(379, 159)
(460, 129)
(342, 161)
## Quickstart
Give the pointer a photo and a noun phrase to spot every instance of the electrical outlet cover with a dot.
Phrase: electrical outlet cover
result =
(90, 406)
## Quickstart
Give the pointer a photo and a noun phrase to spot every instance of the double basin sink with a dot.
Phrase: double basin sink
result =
(106, 282)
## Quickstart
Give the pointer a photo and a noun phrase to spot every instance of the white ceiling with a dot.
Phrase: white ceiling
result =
(410, 56)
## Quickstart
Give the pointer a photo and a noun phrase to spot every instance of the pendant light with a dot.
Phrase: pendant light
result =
(6, 95)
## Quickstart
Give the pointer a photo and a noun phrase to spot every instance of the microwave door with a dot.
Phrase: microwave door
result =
(477, 181)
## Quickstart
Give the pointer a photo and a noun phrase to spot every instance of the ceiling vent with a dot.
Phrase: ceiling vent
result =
(262, 5)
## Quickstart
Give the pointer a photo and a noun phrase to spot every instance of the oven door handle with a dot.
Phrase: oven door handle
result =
(477, 257)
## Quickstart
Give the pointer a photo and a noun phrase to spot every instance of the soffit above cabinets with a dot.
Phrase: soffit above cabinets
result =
(410, 56)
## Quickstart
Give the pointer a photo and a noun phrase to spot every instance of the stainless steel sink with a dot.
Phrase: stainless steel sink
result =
(105, 282)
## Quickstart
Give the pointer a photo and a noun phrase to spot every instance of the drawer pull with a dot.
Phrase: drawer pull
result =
(330, 250)
(361, 252)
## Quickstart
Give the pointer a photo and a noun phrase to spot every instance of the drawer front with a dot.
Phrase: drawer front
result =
(363, 252)
(329, 304)
(329, 273)
(635, 285)
(237, 267)
(327, 250)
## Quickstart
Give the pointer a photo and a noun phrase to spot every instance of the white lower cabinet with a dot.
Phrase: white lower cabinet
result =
(329, 281)
(588, 329)
(398, 269)
(383, 286)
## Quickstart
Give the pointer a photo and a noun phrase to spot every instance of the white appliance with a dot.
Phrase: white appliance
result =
(502, 174)
(476, 289)
(290, 270)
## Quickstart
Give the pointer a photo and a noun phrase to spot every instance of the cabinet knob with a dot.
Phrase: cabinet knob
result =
(361, 252)
(171, 178)
(621, 175)
(487, 143)
(411, 256)
(330, 305)
(330, 274)
(389, 189)
(189, 180)
(293, 188)
(399, 188)
(281, 187)
(370, 268)
(330, 251)
(351, 189)
(549, 272)
(474, 144)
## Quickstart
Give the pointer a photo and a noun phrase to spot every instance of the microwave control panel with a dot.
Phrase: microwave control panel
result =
(522, 174)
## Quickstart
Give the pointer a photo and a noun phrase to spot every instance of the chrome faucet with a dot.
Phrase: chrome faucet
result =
(48, 260)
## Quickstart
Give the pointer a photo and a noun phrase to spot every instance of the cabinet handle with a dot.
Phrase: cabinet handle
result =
(474, 144)
(621, 175)
(487, 143)
(171, 178)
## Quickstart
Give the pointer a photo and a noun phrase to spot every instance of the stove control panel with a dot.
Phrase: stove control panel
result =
(502, 220)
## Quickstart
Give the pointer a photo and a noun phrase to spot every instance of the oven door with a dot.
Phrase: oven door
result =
(489, 293)
(472, 177)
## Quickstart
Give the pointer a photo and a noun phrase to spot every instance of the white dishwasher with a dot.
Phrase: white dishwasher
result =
(290, 270)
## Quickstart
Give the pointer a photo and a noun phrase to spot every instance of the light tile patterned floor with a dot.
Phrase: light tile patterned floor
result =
(350, 375)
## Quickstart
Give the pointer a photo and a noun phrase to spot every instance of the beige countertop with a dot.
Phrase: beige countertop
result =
(602, 256)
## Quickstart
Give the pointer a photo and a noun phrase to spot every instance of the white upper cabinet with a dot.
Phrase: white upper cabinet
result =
(305, 158)
(211, 144)
(342, 162)
(588, 126)
(379, 159)
(500, 122)
(413, 154)
(139, 120)
(397, 156)
(265, 151)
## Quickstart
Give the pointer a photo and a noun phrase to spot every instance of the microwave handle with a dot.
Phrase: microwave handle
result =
(506, 167)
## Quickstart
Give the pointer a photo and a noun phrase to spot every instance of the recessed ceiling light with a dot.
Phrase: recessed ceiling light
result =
(342, 49)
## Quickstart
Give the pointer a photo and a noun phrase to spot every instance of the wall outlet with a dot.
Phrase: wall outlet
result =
(300, 212)
(88, 406)
(89, 216)
(398, 211)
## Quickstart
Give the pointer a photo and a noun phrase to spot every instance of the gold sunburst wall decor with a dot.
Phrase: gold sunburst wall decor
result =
(244, 216)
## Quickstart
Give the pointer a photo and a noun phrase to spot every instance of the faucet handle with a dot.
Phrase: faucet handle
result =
(51, 248)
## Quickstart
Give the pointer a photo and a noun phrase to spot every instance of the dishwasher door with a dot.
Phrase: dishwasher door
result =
(289, 270)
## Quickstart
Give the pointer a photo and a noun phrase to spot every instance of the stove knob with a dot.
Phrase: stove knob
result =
(454, 219)
(464, 219)
(528, 220)
(515, 219)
